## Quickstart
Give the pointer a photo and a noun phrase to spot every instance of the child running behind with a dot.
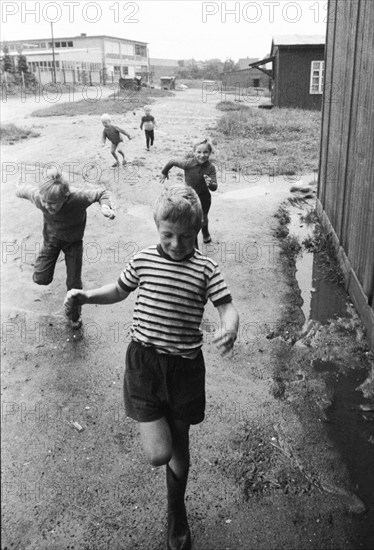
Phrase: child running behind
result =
(164, 382)
(149, 123)
(200, 174)
(113, 133)
(64, 222)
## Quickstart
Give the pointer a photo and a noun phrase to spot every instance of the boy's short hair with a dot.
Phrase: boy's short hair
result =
(56, 187)
(147, 108)
(179, 203)
(106, 117)
(203, 141)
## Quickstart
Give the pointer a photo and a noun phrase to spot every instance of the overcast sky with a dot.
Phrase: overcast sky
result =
(174, 29)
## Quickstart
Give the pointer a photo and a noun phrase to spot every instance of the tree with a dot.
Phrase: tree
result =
(8, 65)
(229, 65)
(213, 69)
(22, 68)
(22, 65)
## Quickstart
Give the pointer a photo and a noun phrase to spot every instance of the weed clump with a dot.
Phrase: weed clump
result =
(10, 133)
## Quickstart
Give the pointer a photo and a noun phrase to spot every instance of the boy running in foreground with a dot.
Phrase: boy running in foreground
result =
(164, 383)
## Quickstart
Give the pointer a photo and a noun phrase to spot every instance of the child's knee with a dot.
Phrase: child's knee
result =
(158, 457)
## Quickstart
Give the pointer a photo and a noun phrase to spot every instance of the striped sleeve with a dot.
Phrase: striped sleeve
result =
(216, 289)
(129, 279)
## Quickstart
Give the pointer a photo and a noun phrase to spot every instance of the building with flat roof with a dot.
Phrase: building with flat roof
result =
(82, 59)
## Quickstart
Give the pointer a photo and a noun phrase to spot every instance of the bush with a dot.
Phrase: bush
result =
(231, 106)
(10, 133)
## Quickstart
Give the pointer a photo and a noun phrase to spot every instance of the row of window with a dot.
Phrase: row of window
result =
(117, 70)
(125, 70)
(42, 45)
(44, 66)
(68, 44)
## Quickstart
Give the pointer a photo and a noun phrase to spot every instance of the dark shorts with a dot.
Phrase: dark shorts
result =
(158, 385)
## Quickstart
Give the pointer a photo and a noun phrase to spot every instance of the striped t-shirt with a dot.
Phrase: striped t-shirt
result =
(171, 298)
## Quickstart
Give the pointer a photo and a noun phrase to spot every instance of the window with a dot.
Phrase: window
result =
(316, 77)
(125, 70)
(70, 44)
(63, 44)
(140, 50)
(57, 44)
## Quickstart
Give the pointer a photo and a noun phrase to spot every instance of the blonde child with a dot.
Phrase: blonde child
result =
(113, 133)
(64, 222)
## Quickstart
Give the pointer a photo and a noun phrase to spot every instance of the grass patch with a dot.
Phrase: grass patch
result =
(321, 244)
(231, 106)
(10, 134)
(119, 102)
(290, 246)
(279, 141)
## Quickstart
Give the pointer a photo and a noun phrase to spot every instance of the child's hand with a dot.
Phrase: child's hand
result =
(73, 299)
(225, 340)
(107, 212)
(130, 137)
(162, 178)
(208, 180)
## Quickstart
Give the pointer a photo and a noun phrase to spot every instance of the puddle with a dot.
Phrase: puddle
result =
(350, 429)
(352, 432)
(323, 299)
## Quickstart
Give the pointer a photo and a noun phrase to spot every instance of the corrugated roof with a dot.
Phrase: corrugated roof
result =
(299, 39)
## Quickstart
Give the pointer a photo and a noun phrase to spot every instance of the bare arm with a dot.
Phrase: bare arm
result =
(108, 294)
(228, 332)
(24, 190)
(124, 132)
(165, 171)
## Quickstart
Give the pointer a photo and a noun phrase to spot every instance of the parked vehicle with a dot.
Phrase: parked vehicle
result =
(167, 82)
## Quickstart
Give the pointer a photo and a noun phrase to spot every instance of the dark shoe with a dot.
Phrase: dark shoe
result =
(76, 325)
(115, 164)
(74, 316)
(206, 235)
(179, 535)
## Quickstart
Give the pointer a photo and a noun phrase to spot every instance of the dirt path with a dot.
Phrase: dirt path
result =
(261, 464)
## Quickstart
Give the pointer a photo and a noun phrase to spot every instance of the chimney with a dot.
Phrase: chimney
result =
(83, 34)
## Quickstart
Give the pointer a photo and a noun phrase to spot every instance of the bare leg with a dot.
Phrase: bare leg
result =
(113, 152)
(121, 153)
(168, 444)
(157, 441)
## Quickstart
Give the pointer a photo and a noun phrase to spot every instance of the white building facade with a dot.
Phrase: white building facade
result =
(83, 59)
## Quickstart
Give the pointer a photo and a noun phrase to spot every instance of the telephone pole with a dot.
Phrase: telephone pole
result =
(53, 57)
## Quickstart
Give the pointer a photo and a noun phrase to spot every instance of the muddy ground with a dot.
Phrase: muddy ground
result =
(267, 468)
